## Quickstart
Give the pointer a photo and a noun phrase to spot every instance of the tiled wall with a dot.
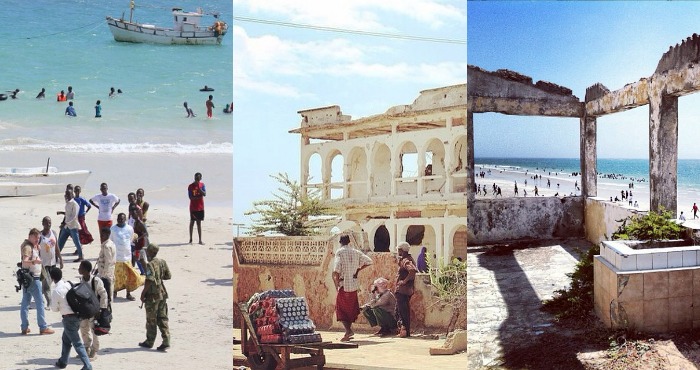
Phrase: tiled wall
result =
(625, 258)
(650, 301)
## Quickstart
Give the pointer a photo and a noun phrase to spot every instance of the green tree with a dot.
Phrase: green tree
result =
(290, 212)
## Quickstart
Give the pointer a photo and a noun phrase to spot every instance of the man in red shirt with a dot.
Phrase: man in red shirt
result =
(197, 191)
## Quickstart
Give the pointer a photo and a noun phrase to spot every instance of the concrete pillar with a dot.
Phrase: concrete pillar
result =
(304, 141)
(471, 180)
(326, 174)
(421, 171)
(589, 157)
(370, 174)
(663, 151)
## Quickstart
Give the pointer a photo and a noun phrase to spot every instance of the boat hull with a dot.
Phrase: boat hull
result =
(132, 32)
(16, 182)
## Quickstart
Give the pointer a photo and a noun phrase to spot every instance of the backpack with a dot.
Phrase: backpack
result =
(108, 285)
(103, 322)
(83, 301)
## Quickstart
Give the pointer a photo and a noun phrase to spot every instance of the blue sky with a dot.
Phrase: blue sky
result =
(281, 70)
(576, 44)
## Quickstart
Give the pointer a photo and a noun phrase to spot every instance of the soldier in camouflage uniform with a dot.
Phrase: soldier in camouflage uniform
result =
(154, 296)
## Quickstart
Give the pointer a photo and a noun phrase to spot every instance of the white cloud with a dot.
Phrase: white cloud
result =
(359, 14)
(262, 64)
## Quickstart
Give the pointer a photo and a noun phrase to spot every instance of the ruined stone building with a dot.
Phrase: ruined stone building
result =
(643, 289)
(402, 176)
(404, 172)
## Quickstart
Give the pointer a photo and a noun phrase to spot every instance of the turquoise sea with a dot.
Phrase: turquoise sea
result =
(688, 169)
(63, 43)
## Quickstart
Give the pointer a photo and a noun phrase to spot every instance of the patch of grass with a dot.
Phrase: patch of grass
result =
(577, 301)
(633, 354)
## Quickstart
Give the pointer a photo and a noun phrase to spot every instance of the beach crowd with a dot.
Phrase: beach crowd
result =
(127, 261)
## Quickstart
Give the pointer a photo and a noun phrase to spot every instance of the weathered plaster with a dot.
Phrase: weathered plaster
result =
(509, 219)
(316, 284)
(601, 218)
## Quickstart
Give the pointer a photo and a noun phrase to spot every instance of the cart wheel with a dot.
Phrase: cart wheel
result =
(262, 362)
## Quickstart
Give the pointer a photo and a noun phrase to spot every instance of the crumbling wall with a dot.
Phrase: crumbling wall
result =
(603, 218)
(510, 219)
(680, 55)
(316, 284)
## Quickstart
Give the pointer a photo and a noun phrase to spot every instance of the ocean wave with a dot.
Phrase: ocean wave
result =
(30, 144)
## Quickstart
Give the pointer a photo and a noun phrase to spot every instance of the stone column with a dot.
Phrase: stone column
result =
(471, 180)
(304, 141)
(589, 157)
(420, 180)
(663, 151)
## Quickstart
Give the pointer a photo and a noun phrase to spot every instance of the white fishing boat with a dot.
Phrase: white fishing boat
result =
(26, 181)
(186, 29)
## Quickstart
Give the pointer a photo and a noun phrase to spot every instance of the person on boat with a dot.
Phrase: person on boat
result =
(98, 110)
(210, 106)
(42, 94)
(111, 92)
(70, 95)
(189, 111)
(70, 111)
(61, 96)
(206, 88)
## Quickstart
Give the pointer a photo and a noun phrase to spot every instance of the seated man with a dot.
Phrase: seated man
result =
(380, 310)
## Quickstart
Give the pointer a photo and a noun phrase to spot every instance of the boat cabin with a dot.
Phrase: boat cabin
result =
(186, 21)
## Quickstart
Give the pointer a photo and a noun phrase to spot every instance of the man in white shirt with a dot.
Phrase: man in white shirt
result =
(71, 322)
(105, 203)
(348, 262)
(72, 226)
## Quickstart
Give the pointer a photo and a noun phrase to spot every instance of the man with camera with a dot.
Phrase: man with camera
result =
(32, 262)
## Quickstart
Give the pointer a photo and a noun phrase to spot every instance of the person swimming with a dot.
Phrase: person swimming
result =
(70, 111)
(61, 96)
(228, 108)
(111, 92)
(14, 94)
(189, 111)
(42, 94)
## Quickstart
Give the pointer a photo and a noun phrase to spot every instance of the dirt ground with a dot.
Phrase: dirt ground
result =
(507, 329)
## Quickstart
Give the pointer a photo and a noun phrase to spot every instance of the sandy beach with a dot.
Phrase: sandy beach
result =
(561, 185)
(200, 308)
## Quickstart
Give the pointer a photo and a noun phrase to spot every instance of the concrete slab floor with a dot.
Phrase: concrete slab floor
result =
(506, 286)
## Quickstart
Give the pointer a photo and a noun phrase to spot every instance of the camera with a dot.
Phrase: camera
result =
(24, 277)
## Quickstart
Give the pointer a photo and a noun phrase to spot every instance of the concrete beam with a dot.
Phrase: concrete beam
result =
(663, 151)
(631, 96)
(509, 92)
(525, 106)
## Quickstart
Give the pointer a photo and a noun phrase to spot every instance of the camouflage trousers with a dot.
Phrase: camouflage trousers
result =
(157, 317)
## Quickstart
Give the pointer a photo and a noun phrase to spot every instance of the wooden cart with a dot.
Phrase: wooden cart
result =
(267, 356)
